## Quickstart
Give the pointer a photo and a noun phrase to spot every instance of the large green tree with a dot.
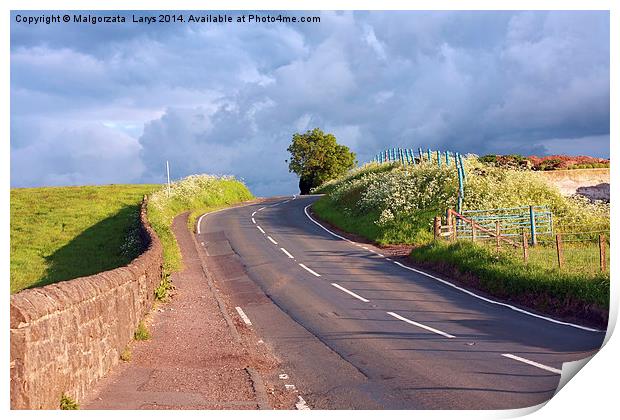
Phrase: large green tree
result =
(316, 157)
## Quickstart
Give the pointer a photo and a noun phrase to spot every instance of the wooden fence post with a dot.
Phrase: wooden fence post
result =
(602, 253)
(473, 231)
(524, 240)
(558, 244)
(497, 235)
(437, 227)
(454, 233)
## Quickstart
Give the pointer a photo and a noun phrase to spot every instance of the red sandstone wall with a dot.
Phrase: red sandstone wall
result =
(66, 336)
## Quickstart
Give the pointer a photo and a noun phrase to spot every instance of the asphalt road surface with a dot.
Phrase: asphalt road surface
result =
(356, 329)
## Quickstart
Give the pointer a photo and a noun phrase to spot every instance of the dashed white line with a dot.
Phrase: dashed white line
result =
(262, 208)
(494, 302)
(309, 270)
(301, 404)
(272, 241)
(253, 214)
(355, 295)
(417, 324)
(260, 228)
(243, 316)
(366, 248)
(532, 363)
(253, 221)
(287, 253)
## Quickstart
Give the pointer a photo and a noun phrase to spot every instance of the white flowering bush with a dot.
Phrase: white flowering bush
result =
(401, 201)
(196, 194)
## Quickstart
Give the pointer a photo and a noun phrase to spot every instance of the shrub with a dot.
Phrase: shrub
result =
(68, 403)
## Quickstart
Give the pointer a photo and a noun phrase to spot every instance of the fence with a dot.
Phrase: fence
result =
(407, 156)
(579, 251)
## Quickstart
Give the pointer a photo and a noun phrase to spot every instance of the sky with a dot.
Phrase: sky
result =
(110, 103)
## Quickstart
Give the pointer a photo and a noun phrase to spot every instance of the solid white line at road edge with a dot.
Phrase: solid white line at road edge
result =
(309, 270)
(356, 296)
(536, 364)
(417, 324)
(243, 316)
(514, 308)
(287, 253)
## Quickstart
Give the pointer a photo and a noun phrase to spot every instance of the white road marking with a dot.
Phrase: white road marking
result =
(506, 305)
(417, 324)
(287, 253)
(323, 227)
(355, 295)
(262, 208)
(253, 214)
(260, 228)
(529, 362)
(301, 404)
(381, 255)
(243, 316)
(309, 270)
(283, 376)
(366, 248)
(253, 221)
(199, 221)
(272, 241)
(289, 387)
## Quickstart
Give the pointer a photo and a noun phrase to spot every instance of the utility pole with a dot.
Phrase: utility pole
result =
(168, 176)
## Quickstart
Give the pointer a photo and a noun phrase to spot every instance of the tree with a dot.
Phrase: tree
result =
(316, 157)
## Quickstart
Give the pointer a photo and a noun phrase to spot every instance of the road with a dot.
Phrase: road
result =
(356, 329)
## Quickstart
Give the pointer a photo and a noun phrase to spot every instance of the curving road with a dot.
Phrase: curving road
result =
(355, 329)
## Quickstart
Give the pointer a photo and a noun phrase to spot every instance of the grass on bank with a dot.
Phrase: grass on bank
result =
(197, 194)
(506, 276)
(397, 205)
(60, 233)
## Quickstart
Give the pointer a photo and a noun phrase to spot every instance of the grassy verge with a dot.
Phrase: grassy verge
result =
(196, 194)
(538, 285)
(60, 233)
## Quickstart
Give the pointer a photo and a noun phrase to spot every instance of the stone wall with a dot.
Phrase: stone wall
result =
(66, 336)
(592, 183)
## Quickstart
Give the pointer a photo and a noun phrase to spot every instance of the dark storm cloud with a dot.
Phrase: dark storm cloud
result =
(227, 98)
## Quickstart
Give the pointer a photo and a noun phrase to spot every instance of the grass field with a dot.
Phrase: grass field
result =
(60, 233)
(539, 283)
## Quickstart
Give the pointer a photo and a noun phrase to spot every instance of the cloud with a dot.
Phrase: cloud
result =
(227, 98)
(87, 155)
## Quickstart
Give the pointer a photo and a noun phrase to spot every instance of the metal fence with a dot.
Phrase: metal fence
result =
(408, 156)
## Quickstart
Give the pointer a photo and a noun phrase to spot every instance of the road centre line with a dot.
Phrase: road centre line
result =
(417, 324)
(272, 241)
(287, 253)
(309, 270)
(253, 214)
(243, 316)
(301, 404)
(532, 363)
(355, 295)
(253, 221)
(260, 228)
(514, 308)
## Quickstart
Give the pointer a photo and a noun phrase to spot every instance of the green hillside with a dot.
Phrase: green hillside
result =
(60, 233)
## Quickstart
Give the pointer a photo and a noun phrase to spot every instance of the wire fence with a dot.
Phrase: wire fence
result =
(583, 252)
